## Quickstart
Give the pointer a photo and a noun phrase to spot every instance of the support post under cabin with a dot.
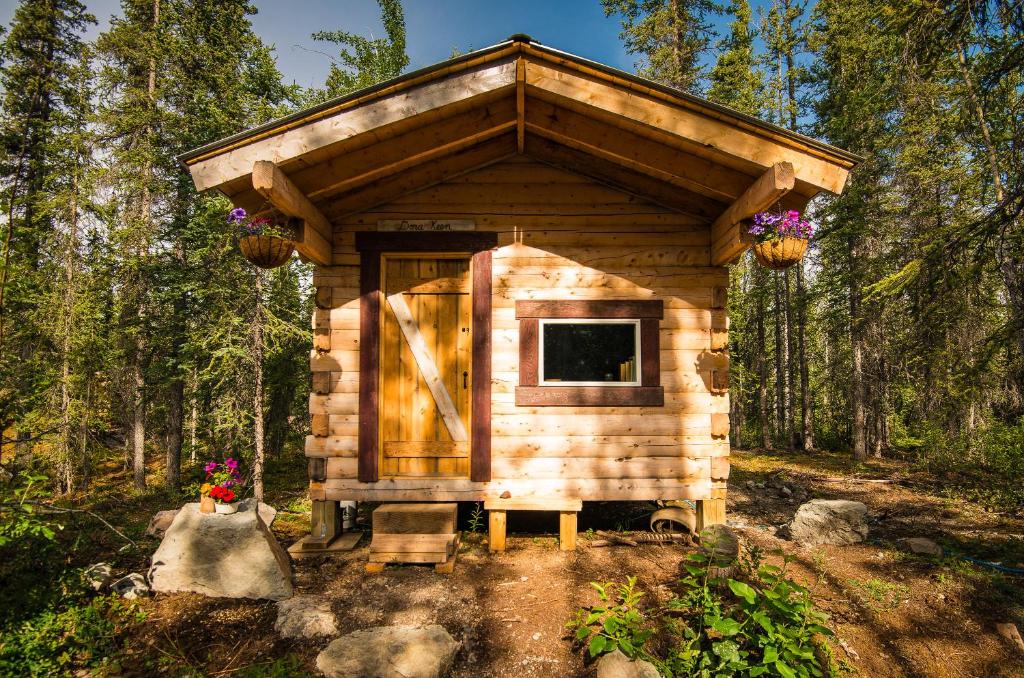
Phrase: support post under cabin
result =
(496, 530)
(710, 512)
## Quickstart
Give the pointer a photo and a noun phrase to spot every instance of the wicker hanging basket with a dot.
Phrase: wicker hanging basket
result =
(266, 251)
(780, 253)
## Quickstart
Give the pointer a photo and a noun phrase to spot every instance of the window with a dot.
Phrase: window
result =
(589, 353)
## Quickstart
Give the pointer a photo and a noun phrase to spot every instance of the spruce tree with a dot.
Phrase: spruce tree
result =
(671, 37)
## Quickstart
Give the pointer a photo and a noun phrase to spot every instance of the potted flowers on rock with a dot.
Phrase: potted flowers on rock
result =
(262, 240)
(780, 239)
(215, 494)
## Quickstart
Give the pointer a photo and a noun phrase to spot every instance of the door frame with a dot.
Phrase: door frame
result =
(371, 245)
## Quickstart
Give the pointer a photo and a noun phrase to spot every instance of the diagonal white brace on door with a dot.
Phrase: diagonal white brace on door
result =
(428, 368)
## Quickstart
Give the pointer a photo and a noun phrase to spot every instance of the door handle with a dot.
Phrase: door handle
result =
(465, 380)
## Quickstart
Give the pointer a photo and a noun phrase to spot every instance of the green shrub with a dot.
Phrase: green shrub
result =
(55, 643)
(764, 626)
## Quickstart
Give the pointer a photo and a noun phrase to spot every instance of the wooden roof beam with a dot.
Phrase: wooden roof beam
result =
(629, 163)
(520, 105)
(314, 238)
(728, 239)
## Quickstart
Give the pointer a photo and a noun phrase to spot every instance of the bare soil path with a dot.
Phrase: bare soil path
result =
(895, 614)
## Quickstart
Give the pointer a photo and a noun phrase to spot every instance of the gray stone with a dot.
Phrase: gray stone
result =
(390, 652)
(226, 556)
(921, 546)
(98, 575)
(305, 616)
(131, 586)
(750, 485)
(159, 523)
(829, 521)
(267, 512)
(786, 492)
(617, 665)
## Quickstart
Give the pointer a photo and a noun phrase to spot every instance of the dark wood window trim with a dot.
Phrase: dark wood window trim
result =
(648, 394)
(371, 245)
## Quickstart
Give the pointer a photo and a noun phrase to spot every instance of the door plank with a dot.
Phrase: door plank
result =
(426, 448)
(427, 367)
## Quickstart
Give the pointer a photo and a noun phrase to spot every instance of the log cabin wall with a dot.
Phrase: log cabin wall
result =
(560, 237)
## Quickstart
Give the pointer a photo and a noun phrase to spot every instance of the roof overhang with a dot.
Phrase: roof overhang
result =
(367, 148)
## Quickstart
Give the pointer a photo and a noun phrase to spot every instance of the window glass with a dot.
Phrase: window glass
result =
(589, 351)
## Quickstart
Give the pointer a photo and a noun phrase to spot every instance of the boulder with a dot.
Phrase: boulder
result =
(305, 617)
(225, 556)
(267, 512)
(131, 586)
(829, 521)
(390, 652)
(921, 546)
(97, 575)
(159, 523)
(617, 665)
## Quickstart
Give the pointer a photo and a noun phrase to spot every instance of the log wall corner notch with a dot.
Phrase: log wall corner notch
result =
(728, 237)
(313, 240)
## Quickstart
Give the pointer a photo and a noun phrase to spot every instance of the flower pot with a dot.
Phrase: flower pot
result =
(225, 509)
(780, 253)
(206, 504)
(266, 251)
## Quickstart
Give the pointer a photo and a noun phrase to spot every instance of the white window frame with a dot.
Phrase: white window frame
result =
(635, 322)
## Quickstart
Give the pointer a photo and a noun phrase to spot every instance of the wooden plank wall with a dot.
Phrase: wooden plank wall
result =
(561, 236)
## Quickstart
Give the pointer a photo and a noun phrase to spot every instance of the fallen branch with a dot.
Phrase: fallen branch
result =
(612, 539)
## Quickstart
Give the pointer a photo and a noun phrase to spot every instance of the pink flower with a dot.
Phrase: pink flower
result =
(210, 467)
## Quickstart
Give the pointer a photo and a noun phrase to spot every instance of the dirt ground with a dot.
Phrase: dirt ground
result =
(895, 614)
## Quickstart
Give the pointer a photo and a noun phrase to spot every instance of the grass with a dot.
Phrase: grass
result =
(879, 594)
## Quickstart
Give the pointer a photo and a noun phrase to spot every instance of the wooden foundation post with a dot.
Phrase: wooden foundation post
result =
(567, 531)
(325, 525)
(496, 530)
(710, 512)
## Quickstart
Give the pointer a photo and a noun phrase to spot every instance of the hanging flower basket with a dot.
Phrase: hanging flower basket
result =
(262, 241)
(781, 253)
(780, 239)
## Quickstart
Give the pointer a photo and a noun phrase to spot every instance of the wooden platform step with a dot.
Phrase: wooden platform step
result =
(415, 519)
(411, 548)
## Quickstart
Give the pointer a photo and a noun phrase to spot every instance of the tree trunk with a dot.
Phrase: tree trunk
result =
(790, 368)
(858, 424)
(137, 428)
(780, 365)
(806, 413)
(762, 364)
(175, 431)
(257, 405)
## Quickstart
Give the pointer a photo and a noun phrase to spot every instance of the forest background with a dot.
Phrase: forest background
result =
(130, 328)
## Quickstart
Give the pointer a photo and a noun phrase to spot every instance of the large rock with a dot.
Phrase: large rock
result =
(226, 556)
(159, 523)
(390, 652)
(131, 586)
(267, 512)
(922, 546)
(98, 575)
(305, 617)
(829, 521)
(617, 665)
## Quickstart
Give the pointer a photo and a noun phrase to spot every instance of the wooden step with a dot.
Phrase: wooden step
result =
(415, 519)
(411, 548)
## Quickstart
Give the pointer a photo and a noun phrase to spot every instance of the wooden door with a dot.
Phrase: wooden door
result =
(426, 366)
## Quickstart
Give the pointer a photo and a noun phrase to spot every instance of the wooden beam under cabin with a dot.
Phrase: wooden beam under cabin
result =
(314, 239)
(728, 241)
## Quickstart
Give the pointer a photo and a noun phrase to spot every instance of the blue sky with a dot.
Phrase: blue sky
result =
(434, 27)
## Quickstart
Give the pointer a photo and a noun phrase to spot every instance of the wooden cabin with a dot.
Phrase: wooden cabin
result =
(521, 277)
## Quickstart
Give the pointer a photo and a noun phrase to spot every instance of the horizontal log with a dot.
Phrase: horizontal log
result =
(523, 468)
(332, 446)
(598, 396)
(556, 424)
(429, 489)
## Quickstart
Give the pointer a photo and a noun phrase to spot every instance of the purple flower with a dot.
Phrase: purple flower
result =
(231, 463)
(210, 467)
(237, 215)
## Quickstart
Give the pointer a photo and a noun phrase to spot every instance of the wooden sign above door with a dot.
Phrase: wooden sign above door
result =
(426, 225)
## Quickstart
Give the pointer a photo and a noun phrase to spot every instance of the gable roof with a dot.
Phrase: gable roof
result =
(365, 148)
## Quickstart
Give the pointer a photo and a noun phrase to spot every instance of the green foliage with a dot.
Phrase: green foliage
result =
(289, 666)
(57, 643)
(617, 624)
(670, 37)
(476, 518)
(363, 62)
(31, 561)
(764, 626)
